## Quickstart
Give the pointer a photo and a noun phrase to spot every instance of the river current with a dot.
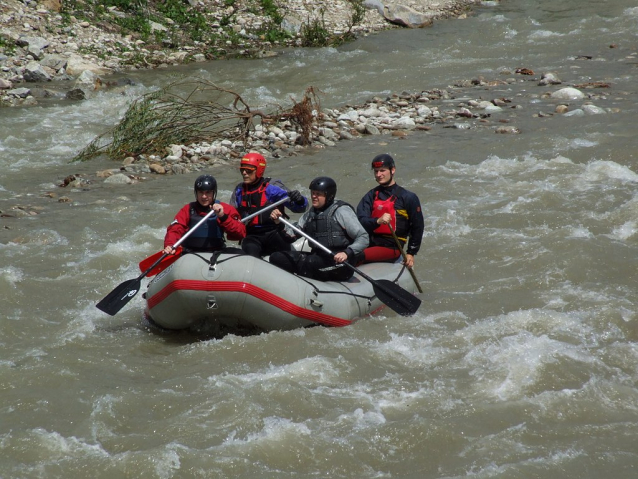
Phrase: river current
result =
(521, 362)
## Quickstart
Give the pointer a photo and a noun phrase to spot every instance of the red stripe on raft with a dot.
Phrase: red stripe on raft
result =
(251, 289)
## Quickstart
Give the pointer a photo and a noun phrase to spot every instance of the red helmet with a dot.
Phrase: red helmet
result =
(254, 160)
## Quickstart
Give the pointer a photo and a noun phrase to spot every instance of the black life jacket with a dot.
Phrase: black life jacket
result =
(253, 198)
(208, 237)
(323, 227)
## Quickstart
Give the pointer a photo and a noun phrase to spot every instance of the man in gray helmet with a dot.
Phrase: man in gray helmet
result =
(334, 224)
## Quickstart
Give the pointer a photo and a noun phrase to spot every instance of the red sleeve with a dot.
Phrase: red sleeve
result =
(231, 224)
(178, 227)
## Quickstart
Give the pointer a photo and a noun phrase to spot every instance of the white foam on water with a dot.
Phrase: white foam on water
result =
(52, 140)
(599, 171)
(274, 430)
(543, 35)
(11, 275)
(625, 231)
(314, 370)
(56, 447)
(580, 232)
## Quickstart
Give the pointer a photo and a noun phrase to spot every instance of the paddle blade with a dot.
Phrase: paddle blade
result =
(395, 297)
(117, 299)
(145, 264)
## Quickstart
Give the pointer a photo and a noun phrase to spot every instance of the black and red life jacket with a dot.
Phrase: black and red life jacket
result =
(207, 237)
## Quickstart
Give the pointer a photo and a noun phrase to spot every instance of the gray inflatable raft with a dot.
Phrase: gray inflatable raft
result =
(238, 291)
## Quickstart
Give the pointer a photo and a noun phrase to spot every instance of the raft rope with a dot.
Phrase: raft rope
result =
(214, 259)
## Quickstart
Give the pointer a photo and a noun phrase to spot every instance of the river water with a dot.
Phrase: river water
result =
(521, 363)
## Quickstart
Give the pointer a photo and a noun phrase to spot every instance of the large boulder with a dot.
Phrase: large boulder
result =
(405, 16)
(76, 65)
(34, 72)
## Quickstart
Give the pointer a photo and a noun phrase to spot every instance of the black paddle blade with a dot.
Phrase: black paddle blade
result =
(395, 297)
(117, 299)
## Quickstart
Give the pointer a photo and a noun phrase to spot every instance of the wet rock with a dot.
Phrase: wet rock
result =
(118, 179)
(594, 110)
(76, 94)
(19, 92)
(561, 109)
(549, 79)
(507, 130)
(157, 168)
(568, 93)
(577, 112)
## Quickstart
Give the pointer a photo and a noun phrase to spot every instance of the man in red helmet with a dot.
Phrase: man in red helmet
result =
(210, 235)
(254, 193)
(390, 206)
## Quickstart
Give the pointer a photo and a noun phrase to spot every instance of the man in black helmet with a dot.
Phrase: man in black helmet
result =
(210, 235)
(334, 224)
(390, 207)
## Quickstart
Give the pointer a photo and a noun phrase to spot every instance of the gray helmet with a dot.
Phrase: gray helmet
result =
(326, 185)
(205, 183)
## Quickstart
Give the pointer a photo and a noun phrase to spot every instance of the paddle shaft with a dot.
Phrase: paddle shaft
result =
(243, 220)
(405, 258)
(117, 299)
(173, 257)
(314, 241)
(265, 208)
(389, 293)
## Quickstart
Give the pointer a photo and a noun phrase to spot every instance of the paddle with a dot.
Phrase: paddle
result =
(117, 299)
(167, 261)
(389, 293)
(405, 258)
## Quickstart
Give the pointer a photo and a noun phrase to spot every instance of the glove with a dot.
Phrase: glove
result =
(296, 197)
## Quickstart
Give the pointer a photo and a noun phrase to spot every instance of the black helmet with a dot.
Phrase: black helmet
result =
(382, 160)
(205, 183)
(326, 185)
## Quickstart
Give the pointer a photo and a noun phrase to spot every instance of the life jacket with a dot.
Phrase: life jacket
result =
(323, 227)
(253, 198)
(381, 207)
(208, 237)
(399, 218)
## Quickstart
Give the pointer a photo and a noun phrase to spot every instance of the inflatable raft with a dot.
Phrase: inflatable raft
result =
(237, 291)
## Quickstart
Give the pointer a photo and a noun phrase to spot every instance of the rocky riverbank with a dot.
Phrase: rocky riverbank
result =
(67, 48)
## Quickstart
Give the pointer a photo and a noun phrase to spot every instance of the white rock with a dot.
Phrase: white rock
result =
(577, 112)
(568, 93)
(119, 179)
(594, 110)
(405, 123)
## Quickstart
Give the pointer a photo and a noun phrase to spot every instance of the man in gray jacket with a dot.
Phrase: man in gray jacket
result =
(332, 223)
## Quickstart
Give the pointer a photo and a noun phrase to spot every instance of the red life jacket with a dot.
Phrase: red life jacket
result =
(253, 198)
(379, 208)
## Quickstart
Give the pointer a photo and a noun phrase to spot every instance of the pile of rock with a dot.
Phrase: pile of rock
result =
(396, 115)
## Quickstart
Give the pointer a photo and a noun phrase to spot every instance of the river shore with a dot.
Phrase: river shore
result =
(49, 42)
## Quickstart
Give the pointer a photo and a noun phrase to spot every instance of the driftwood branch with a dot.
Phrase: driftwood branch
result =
(191, 111)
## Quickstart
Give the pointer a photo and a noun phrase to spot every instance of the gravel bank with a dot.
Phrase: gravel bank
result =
(48, 40)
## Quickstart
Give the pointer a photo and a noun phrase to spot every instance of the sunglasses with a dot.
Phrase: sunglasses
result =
(247, 170)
